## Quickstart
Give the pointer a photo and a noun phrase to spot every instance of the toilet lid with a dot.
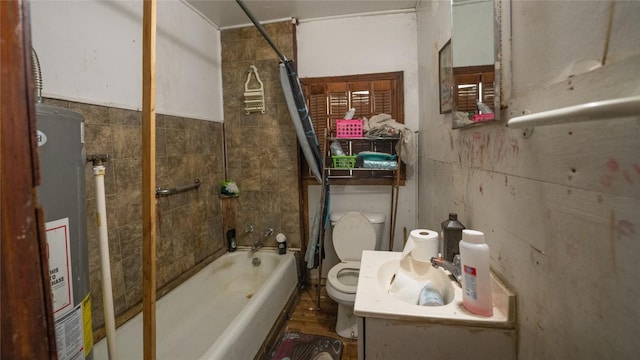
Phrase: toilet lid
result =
(352, 235)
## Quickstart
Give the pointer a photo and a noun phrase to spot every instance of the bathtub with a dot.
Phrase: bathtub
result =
(225, 311)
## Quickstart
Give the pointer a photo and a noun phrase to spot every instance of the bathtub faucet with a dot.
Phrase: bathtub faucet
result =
(268, 232)
(258, 244)
(452, 267)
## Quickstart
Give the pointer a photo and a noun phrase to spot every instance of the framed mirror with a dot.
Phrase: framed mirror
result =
(477, 33)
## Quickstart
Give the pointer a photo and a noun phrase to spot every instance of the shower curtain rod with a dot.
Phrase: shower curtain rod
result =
(262, 31)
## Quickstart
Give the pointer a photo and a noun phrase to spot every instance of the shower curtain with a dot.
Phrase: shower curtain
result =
(308, 143)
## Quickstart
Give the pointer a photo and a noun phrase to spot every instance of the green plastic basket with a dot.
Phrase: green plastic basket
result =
(344, 161)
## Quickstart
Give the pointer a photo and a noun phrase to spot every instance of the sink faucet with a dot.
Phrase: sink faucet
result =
(258, 244)
(452, 267)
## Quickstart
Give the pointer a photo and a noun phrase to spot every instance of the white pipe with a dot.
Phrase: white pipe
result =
(107, 292)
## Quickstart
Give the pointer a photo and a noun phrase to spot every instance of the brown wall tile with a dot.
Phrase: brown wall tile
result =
(189, 224)
(261, 148)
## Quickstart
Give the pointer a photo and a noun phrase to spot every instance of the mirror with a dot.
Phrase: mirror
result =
(476, 57)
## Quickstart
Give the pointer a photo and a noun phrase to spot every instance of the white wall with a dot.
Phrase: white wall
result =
(560, 209)
(325, 50)
(91, 52)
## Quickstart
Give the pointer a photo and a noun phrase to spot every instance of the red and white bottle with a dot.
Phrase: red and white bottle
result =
(476, 282)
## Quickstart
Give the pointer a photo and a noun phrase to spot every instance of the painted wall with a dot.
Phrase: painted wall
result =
(98, 73)
(91, 52)
(560, 209)
(325, 50)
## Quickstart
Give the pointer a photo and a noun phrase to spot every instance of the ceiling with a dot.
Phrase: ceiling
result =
(227, 13)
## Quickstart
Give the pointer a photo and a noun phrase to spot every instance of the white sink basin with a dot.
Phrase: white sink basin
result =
(373, 298)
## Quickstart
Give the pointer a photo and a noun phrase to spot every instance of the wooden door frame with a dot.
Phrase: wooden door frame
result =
(28, 329)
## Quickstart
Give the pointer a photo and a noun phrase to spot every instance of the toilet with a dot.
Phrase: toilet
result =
(353, 232)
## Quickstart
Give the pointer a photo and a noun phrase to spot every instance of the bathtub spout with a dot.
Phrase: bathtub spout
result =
(258, 244)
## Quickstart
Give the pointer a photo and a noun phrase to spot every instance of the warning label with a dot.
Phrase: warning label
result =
(70, 335)
(58, 251)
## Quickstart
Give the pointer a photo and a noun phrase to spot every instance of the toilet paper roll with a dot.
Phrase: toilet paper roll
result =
(406, 287)
(422, 245)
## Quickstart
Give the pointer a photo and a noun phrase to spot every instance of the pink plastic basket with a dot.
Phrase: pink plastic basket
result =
(349, 128)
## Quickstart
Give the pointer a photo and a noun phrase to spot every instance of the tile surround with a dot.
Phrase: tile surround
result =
(189, 224)
(262, 159)
(261, 148)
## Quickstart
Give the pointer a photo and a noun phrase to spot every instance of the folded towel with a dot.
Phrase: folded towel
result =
(385, 123)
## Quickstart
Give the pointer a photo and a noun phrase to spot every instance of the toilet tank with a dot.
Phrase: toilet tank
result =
(376, 219)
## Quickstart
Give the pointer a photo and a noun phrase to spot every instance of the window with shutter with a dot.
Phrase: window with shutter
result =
(473, 84)
(329, 99)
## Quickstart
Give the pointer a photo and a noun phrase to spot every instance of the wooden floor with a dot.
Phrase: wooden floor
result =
(306, 318)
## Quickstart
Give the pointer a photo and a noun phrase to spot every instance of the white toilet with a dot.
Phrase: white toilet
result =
(353, 232)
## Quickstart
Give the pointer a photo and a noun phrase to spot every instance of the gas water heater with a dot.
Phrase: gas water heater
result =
(61, 192)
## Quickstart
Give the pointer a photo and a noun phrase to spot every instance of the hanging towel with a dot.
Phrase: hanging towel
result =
(385, 123)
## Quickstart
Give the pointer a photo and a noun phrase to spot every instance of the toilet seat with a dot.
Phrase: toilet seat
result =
(353, 233)
(344, 276)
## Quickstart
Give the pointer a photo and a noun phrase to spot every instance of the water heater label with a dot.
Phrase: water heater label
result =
(58, 252)
(41, 138)
(70, 335)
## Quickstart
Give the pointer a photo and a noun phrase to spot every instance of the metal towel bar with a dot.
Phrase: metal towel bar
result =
(597, 110)
(160, 192)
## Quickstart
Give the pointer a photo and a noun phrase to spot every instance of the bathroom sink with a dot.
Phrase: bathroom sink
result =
(375, 300)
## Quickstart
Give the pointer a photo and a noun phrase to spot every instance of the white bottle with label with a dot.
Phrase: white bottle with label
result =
(476, 282)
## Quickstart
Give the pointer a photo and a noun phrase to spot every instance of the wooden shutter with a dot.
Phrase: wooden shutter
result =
(382, 98)
(360, 98)
(472, 84)
(318, 107)
(466, 92)
(338, 95)
(329, 99)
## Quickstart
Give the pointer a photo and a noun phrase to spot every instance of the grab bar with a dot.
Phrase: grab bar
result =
(597, 110)
(160, 192)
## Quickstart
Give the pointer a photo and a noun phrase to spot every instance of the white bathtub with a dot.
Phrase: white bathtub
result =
(225, 311)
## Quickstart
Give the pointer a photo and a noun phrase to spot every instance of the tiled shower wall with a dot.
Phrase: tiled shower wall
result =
(261, 157)
(262, 150)
(189, 225)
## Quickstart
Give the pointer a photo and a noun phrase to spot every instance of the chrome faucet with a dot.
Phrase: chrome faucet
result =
(268, 232)
(258, 244)
(452, 267)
